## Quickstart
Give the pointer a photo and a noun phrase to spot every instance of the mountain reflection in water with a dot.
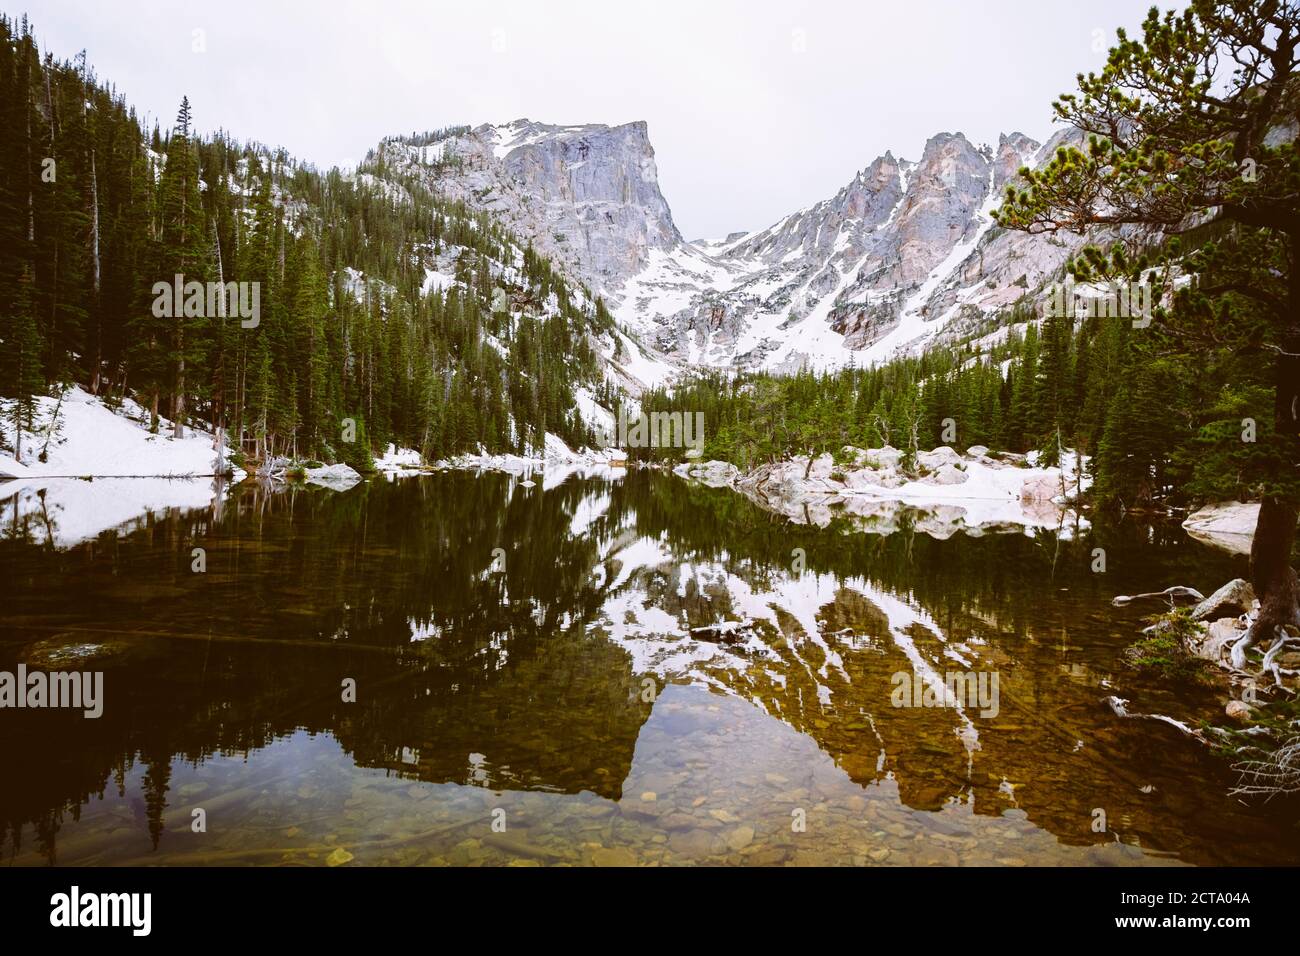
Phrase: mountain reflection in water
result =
(592, 693)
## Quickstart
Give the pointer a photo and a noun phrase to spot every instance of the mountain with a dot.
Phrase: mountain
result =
(905, 254)
(586, 196)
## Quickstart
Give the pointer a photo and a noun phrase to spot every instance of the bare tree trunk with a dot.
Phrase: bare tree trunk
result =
(178, 407)
(97, 357)
(18, 431)
(53, 368)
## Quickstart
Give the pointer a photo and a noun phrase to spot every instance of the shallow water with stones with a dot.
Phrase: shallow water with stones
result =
(549, 704)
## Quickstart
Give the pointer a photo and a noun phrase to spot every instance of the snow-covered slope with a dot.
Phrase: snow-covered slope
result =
(80, 436)
(135, 473)
(893, 259)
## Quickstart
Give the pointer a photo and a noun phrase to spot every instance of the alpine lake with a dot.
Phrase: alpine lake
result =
(474, 669)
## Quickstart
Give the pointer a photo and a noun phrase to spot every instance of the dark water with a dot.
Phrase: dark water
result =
(558, 709)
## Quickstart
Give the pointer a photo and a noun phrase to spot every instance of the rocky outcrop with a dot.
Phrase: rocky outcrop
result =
(1229, 525)
(586, 196)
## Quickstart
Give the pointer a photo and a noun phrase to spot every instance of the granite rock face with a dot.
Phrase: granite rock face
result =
(903, 256)
(585, 196)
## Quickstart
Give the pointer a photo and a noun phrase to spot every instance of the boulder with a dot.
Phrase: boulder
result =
(1234, 598)
(977, 451)
(948, 474)
(864, 478)
(822, 466)
(338, 477)
(884, 458)
(1229, 525)
(715, 474)
(1042, 488)
(1238, 711)
(937, 458)
(1219, 638)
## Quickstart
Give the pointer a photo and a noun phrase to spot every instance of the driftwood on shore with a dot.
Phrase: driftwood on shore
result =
(1175, 593)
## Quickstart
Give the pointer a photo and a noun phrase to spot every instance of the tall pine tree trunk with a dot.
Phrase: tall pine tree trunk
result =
(1271, 573)
(97, 357)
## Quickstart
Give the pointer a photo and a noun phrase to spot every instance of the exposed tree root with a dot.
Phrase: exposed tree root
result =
(1272, 774)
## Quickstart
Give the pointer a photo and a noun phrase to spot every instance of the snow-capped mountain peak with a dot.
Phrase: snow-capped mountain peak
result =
(903, 252)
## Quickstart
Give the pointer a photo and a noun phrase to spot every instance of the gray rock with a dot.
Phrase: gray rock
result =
(338, 477)
(1219, 638)
(1044, 488)
(946, 475)
(1234, 598)
(715, 474)
(937, 458)
(1229, 525)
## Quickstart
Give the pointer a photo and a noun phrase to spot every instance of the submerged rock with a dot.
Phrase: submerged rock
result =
(614, 856)
(339, 857)
(1238, 711)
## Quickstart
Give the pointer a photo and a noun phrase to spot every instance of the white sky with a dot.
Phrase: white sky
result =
(755, 108)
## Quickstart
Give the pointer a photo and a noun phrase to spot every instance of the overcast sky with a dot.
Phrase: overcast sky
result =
(755, 108)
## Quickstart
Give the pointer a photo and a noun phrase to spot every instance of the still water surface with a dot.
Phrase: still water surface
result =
(555, 689)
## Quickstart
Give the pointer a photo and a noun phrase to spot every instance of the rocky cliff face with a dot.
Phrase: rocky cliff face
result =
(586, 196)
(902, 253)
(905, 254)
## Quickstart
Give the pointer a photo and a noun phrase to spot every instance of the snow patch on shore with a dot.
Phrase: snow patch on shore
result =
(87, 438)
(956, 493)
(396, 460)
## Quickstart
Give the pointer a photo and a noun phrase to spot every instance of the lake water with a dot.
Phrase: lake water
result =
(548, 702)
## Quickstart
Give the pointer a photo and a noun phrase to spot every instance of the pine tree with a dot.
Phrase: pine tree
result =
(1174, 146)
